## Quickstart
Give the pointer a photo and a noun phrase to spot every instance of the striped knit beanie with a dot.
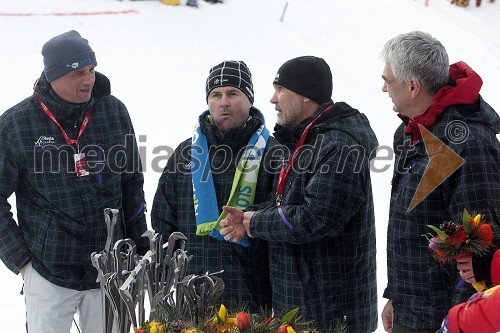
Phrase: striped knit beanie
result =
(231, 73)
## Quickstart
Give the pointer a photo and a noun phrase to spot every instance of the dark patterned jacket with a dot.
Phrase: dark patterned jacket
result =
(423, 290)
(322, 237)
(246, 270)
(61, 216)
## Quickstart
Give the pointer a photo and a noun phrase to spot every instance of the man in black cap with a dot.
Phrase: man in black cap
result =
(320, 221)
(226, 162)
(58, 154)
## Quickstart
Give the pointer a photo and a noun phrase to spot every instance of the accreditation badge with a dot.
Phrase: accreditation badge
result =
(81, 166)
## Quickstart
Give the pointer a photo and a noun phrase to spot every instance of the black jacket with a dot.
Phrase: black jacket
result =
(322, 238)
(421, 289)
(61, 216)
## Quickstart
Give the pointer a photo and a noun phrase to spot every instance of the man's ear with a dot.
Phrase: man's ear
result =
(415, 87)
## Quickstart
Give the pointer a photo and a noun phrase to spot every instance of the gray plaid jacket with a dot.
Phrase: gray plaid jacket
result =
(61, 216)
(322, 238)
(246, 270)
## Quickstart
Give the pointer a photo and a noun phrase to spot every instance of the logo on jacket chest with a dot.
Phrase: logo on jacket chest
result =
(44, 140)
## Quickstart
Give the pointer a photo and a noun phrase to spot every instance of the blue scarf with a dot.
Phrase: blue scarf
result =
(243, 189)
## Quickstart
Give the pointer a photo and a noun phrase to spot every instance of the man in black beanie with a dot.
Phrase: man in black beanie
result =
(209, 171)
(58, 155)
(320, 222)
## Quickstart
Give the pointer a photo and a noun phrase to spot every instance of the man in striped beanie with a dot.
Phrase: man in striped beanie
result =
(223, 164)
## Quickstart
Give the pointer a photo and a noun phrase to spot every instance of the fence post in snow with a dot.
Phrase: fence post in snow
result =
(284, 11)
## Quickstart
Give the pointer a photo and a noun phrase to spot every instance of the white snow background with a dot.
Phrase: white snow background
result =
(157, 58)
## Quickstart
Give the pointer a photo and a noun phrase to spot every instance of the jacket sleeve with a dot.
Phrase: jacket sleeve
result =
(330, 198)
(477, 315)
(132, 181)
(163, 213)
(13, 249)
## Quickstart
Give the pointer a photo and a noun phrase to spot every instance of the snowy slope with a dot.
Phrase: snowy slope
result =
(158, 56)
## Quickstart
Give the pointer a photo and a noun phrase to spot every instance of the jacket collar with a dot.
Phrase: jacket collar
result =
(289, 136)
(236, 137)
(464, 89)
(67, 112)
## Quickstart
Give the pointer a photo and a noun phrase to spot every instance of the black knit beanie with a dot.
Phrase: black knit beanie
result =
(231, 73)
(65, 53)
(308, 76)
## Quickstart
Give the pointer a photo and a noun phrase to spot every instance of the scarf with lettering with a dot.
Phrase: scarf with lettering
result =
(243, 189)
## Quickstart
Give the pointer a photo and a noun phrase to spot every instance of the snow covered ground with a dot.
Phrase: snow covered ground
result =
(157, 58)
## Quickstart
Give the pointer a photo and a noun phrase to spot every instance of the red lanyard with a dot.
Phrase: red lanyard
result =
(53, 118)
(285, 171)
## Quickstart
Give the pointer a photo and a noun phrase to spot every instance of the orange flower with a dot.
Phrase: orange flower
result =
(485, 233)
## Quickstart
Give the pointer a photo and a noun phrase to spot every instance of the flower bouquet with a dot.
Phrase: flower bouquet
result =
(472, 236)
(225, 321)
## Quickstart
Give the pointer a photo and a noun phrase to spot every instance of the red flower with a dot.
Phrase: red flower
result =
(283, 328)
(458, 239)
(242, 321)
(485, 233)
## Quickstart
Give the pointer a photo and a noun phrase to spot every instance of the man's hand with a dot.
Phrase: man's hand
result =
(387, 316)
(236, 225)
(464, 265)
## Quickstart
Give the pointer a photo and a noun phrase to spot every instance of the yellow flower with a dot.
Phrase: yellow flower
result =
(477, 219)
(222, 318)
(191, 330)
(156, 327)
(289, 329)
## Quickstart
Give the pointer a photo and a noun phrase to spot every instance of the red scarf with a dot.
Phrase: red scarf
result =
(468, 83)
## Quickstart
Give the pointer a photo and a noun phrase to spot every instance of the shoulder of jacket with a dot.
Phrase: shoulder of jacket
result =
(272, 141)
(335, 136)
(112, 106)
(21, 109)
